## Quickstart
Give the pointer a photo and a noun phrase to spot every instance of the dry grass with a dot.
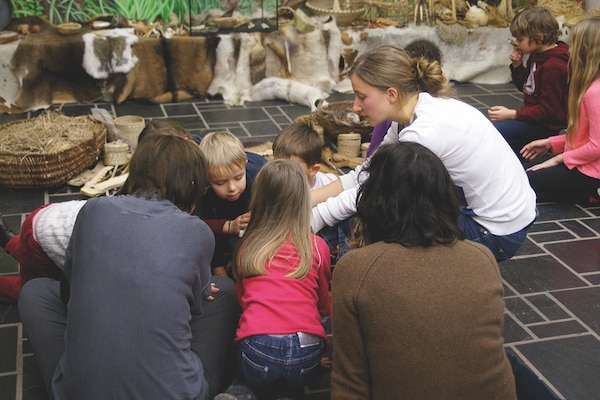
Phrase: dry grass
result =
(50, 132)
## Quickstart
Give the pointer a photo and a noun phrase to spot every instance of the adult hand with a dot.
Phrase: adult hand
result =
(553, 162)
(500, 113)
(535, 149)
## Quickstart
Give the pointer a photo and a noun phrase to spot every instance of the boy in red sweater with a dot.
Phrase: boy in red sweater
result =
(543, 79)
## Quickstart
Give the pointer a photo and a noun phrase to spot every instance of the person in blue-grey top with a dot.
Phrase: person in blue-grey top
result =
(138, 314)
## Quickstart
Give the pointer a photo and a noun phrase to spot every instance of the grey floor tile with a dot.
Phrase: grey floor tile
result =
(584, 303)
(538, 274)
(566, 361)
(581, 255)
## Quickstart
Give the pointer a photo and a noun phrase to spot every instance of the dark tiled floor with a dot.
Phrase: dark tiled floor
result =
(552, 287)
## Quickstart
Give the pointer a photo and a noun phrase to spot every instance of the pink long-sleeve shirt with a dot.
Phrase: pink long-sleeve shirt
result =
(584, 154)
(274, 304)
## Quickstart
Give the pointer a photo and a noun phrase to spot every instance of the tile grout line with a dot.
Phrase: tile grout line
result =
(19, 388)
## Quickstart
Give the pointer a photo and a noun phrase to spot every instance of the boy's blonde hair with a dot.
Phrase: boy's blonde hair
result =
(584, 67)
(224, 152)
(535, 21)
(280, 207)
(299, 139)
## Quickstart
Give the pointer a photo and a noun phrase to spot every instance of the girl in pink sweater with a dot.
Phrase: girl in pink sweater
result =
(282, 272)
(573, 173)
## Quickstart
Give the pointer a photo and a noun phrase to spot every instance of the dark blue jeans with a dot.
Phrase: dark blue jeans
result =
(519, 133)
(276, 366)
(502, 247)
(338, 235)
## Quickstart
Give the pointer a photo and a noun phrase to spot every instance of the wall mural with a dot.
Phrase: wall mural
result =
(60, 11)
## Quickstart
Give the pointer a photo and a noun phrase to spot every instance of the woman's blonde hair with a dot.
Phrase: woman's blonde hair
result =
(224, 152)
(280, 212)
(584, 67)
(391, 67)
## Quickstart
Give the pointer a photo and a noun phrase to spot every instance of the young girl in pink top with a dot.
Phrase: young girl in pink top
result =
(282, 272)
(573, 173)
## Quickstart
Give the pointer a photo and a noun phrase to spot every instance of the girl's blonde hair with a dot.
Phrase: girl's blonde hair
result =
(584, 67)
(391, 67)
(224, 152)
(280, 211)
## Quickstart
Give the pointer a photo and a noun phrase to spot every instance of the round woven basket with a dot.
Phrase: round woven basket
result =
(115, 153)
(130, 127)
(338, 117)
(349, 144)
(25, 170)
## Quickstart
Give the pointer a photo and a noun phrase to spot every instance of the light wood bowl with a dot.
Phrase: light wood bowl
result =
(69, 28)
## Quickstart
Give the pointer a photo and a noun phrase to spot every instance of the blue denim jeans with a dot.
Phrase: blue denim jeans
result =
(502, 247)
(518, 133)
(338, 235)
(276, 366)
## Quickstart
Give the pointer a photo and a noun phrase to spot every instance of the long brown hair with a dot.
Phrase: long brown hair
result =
(280, 211)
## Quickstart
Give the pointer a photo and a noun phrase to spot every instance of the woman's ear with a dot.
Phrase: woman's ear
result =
(392, 94)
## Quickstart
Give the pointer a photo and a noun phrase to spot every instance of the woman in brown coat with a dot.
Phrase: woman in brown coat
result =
(417, 311)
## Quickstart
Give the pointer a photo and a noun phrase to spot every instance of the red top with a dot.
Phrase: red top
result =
(544, 86)
(274, 304)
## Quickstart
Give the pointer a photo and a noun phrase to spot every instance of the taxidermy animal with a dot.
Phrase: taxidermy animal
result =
(284, 89)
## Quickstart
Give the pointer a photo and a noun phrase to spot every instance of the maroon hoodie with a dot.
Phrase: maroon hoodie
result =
(544, 83)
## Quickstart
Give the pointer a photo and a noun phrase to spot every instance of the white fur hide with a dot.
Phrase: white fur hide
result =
(297, 67)
(109, 53)
(482, 59)
(232, 68)
(284, 89)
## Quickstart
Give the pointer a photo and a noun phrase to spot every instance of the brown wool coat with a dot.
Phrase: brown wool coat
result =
(419, 323)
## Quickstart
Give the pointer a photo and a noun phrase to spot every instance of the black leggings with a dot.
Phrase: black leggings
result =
(562, 185)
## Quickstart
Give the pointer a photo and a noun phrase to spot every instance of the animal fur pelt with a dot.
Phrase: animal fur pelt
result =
(285, 64)
(109, 53)
(49, 69)
(171, 70)
(284, 89)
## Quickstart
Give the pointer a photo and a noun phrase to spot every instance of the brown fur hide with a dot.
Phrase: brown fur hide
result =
(168, 70)
(48, 67)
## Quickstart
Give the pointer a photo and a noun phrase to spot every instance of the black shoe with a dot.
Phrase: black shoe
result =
(5, 233)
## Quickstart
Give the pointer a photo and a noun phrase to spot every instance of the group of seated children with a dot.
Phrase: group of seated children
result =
(132, 298)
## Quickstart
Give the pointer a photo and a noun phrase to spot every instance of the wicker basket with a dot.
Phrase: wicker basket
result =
(21, 170)
(130, 127)
(338, 117)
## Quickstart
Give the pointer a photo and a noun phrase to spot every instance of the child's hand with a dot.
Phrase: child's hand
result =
(500, 113)
(516, 57)
(240, 223)
(213, 289)
(535, 149)
(553, 162)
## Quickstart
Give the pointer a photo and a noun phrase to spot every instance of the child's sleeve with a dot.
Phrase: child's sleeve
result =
(324, 303)
(216, 225)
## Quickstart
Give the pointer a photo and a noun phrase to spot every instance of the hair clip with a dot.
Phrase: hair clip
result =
(186, 137)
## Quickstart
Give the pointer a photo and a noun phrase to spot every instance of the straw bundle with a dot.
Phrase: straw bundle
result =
(48, 150)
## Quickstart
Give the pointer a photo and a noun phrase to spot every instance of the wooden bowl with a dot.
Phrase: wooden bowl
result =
(70, 28)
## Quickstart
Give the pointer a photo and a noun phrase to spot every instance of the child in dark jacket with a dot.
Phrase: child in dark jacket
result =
(224, 208)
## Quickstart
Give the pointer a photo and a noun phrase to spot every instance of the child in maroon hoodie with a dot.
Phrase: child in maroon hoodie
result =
(543, 79)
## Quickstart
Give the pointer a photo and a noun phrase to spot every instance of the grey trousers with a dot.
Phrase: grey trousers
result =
(44, 317)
